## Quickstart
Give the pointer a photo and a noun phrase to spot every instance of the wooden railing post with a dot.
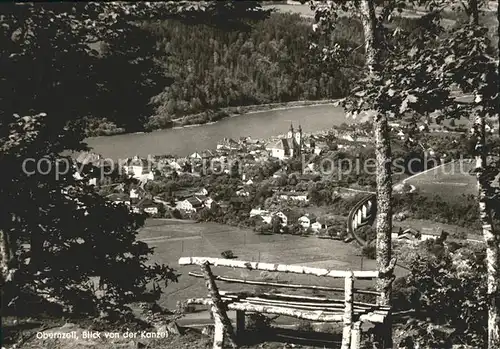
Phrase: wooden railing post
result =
(240, 322)
(348, 311)
(356, 335)
(222, 323)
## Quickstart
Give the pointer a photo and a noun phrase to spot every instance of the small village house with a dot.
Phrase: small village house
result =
(208, 202)
(280, 149)
(202, 191)
(267, 218)
(136, 194)
(283, 217)
(281, 172)
(296, 196)
(258, 212)
(120, 198)
(242, 192)
(430, 233)
(347, 137)
(304, 222)
(139, 168)
(96, 173)
(264, 214)
(195, 156)
(409, 235)
(191, 204)
(174, 166)
(320, 148)
(205, 200)
(148, 206)
(207, 154)
(79, 177)
(228, 144)
(317, 225)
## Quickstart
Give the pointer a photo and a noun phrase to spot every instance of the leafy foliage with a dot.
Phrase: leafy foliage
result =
(369, 251)
(61, 61)
(462, 212)
(81, 50)
(73, 234)
(438, 278)
(228, 254)
(258, 323)
(213, 68)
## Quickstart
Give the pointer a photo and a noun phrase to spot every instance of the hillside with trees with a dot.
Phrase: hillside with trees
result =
(187, 69)
(212, 68)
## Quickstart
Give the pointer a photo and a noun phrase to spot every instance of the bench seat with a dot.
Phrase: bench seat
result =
(311, 308)
(318, 309)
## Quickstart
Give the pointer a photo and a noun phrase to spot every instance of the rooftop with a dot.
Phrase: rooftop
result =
(119, 197)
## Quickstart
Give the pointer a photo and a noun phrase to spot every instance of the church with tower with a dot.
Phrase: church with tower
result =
(289, 147)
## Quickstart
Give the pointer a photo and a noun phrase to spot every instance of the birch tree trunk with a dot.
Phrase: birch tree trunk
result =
(484, 187)
(383, 161)
(4, 255)
(370, 28)
(382, 154)
(493, 253)
(498, 57)
(8, 258)
(490, 238)
(222, 323)
(8, 265)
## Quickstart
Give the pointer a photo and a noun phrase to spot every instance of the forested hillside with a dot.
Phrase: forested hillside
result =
(208, 67)
(212, 68)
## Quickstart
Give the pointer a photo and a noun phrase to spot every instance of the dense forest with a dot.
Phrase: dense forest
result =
(206, 68)
(213, 68)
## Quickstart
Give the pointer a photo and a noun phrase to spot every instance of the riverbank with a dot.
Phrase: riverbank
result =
(191, 120)
(105, 128)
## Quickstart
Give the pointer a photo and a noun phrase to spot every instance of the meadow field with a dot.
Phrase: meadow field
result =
(448, 181)
(172, 240)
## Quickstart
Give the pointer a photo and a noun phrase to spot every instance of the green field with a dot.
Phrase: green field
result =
(175, 239)
(449, 181)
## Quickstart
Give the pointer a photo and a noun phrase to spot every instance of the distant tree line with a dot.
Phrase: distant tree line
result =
(213, 68)
(192, 69)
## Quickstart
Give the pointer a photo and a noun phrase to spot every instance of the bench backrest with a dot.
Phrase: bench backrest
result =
(303, 307)
(284, 268)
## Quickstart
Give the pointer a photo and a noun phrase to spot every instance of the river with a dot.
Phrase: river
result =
(186, 140)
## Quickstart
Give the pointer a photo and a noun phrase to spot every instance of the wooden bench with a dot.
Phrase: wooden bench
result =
(320, 309)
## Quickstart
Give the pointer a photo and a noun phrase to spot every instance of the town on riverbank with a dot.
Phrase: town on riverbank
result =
(293, 183)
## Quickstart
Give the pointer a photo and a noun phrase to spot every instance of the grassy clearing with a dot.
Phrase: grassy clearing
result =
(449, 181)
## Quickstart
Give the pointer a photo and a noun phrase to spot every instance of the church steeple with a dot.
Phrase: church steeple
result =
(290, 132)
(298, 141)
